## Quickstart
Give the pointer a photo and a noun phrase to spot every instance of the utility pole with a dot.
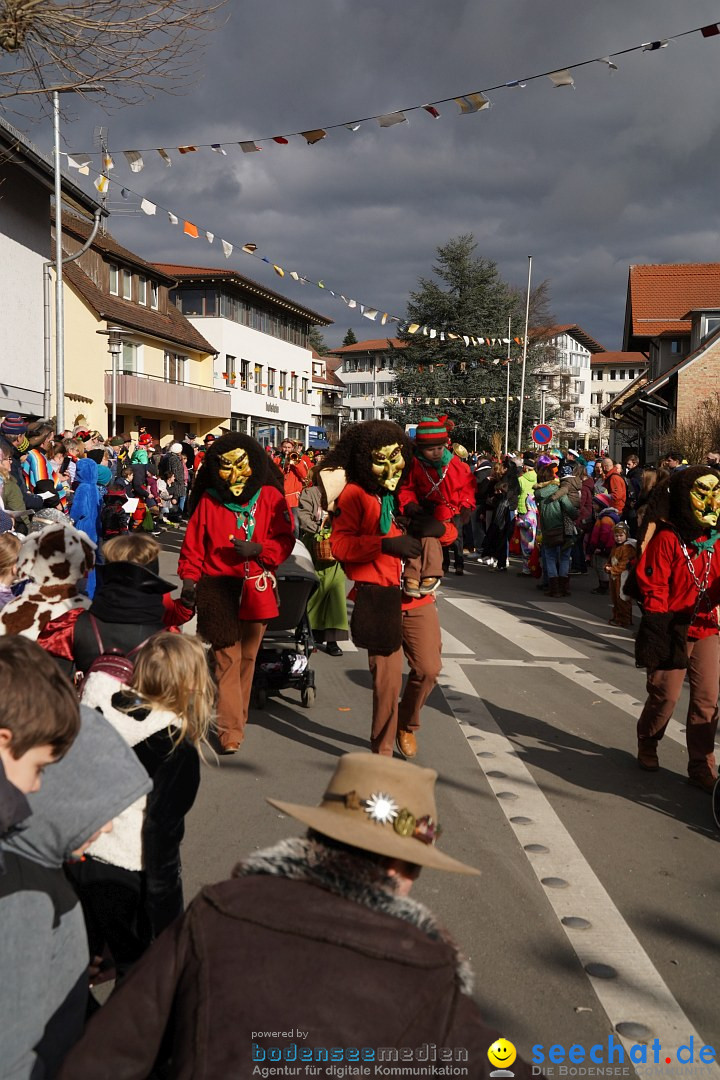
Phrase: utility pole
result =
(507, 392)
(524, 359)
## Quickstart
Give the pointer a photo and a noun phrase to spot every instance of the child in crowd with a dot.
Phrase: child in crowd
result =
(618, 566)
(9, 551)
(441, 486)
(602, 539)
(43, 943)
(130, 883)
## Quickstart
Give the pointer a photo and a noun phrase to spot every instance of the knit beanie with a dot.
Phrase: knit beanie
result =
(13, 425)
(176, 448)
(604, 500)
(432, 431)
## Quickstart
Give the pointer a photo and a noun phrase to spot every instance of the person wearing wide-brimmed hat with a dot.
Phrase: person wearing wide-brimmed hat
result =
(315, 935)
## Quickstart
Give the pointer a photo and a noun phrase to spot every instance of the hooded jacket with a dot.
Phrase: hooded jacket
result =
(14, 808)
(294, 933)
(85, 510)
(43, 944)
(553, 506)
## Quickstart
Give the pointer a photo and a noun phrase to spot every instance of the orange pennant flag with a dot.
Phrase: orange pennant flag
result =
(190, 229)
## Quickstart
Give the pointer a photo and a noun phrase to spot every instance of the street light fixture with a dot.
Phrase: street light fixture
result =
(544, 388)
(90, 88)
(114, 335)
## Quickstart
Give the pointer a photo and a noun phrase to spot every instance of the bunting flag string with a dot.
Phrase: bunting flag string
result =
(468, 104)
(189, 228)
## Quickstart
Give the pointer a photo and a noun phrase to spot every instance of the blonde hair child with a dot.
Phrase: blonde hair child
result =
(9, 551)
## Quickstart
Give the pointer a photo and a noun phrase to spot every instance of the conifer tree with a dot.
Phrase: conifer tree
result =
(467, 297)
(350, 338)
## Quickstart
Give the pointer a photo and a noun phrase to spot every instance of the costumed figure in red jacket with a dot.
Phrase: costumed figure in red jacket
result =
(238, 534)
(370, 540)
(678, 576)
(441, 485)
(295, 468)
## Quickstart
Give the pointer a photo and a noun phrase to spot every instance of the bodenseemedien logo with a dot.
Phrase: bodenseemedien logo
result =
(501, 1054)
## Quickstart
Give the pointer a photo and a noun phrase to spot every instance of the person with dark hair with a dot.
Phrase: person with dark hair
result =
(675, 460)
(364, 472)
(678, 575)
(329, 921)
(557, 514)
(13, 444)
(238, 534)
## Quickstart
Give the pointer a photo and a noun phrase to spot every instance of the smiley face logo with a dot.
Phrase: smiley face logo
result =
(502, 1054)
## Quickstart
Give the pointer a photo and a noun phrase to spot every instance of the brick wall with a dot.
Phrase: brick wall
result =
(698, 382)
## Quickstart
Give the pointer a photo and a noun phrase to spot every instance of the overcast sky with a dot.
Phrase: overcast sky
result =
(622, 169)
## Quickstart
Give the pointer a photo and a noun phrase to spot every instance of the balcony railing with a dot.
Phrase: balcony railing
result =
(153, 392)
(567, 397)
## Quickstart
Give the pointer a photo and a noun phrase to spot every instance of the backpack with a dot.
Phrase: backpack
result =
(113, 662)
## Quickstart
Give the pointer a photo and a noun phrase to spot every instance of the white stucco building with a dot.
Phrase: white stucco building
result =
(566, 372)
(368, 372)
(261, 341)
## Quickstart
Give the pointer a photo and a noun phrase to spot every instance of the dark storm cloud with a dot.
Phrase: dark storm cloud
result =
(622, 169)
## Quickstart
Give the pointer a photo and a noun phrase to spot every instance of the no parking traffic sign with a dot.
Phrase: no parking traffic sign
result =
(542, 434)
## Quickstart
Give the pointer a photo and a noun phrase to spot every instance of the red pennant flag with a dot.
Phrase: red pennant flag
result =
(190, 229)
(710, 31)
(280, 139)
(187, 149)
(432, 110)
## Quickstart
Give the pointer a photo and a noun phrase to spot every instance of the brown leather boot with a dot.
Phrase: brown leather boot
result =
(553, 592)
(406, 744)
(647, 757)
(564, 586)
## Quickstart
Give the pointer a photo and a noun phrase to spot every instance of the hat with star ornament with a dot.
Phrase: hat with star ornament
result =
(383, 805)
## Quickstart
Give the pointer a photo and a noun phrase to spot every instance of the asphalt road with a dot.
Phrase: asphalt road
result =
(532, 732)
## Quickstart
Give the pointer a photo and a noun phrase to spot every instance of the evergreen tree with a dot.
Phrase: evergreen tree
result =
(350, 338)
(316, 341)
(467, 298)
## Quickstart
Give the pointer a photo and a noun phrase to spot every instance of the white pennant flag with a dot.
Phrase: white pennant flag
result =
(210, 237)
(352, 303)
(108, 163)
(249, 147)
(370, 313)
(392, 118)
(134, 160)
(227, 248)
(73, 164)
(218, 149)
(466, 339)
(147, 207)
(102, 184)
(166, 157)
(610, 63)
(472, 103)
(294, 275)
(171, 218)
(561, 78)
(433, 333)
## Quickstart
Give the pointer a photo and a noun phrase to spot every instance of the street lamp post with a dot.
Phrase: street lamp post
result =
(475, 427)
(544, 389)
(524, 359)
(114, 335)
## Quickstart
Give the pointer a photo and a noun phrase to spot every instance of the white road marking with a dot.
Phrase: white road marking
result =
(571, 614)
(452, 646)
(521, 633)
(638, 994)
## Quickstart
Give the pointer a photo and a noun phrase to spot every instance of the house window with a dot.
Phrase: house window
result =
(631, 373)
(113, 279)
(230, 369)
(238, 423)
(271, 382)
(283, 384)
(154, 294)
(613, 373)
(597, 374)
(175, 368)
(258, 378)
(304, 396)
(675, 347)
(127, 285)
(293, 387)
(245, 374)
(621, 373)
(711, 325)
(128, 360)
(142, 290)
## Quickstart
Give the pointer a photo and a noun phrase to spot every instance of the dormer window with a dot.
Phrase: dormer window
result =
(154, 295)
(127, 285)
(142, 290)
(114, 279)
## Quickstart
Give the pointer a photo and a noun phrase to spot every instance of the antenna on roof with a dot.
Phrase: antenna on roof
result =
(100, 135)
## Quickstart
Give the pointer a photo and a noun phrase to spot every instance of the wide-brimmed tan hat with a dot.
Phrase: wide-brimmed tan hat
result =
(383, 805)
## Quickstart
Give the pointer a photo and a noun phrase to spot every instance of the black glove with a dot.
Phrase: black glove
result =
(424, 525)
(412, 509)
(247, 549)
(465, 514)
(661, 642)
(188, 593)
(405, 547)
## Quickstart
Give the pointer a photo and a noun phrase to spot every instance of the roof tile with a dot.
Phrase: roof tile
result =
(660, 294)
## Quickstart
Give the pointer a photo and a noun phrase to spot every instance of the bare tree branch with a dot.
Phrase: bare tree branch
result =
(133, 47)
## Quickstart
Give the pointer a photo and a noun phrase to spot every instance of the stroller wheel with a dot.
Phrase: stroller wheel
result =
(308, 697)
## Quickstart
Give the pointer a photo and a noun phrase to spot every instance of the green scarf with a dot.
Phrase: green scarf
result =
(447, 456)
(244, 511)
(706, 545)
(387, 505)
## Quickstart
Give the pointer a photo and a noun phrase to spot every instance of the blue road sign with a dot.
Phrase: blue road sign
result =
(542, 434)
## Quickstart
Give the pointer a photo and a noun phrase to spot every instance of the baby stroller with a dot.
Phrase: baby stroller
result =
(284, 659)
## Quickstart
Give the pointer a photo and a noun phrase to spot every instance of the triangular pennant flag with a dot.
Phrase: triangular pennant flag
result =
(432, 110)
(172, 218)
(210, 237)
(218, 149)
(189, 229)
(227, 248)
(108, 163)
(147, 207)
(710, 31)
(73, 164)
(433, 333)
(517, 82)
(384, 318)
(102, 184)
(321, 284)
(466, 339)
(561, 78)
(313, 136)
(84, 169)
(472, 103)
(652, 46)
(413, 328)
(353, 127)
(134, 160)
(392, 118)
(187, 149)
(610, 63)
(453, 337)
(280, 139)
(482, 400)
(166, 157)
(250, 249)
(294, 275)
(370, 313)
(352, 303)
(249, 147)
(279, 271)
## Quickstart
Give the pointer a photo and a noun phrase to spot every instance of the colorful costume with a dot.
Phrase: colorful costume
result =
(238, 535)
(678, 575)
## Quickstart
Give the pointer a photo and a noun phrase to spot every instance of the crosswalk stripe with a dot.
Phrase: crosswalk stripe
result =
(525, 636)
(637, 995)
(452, 646)
(574, 615)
